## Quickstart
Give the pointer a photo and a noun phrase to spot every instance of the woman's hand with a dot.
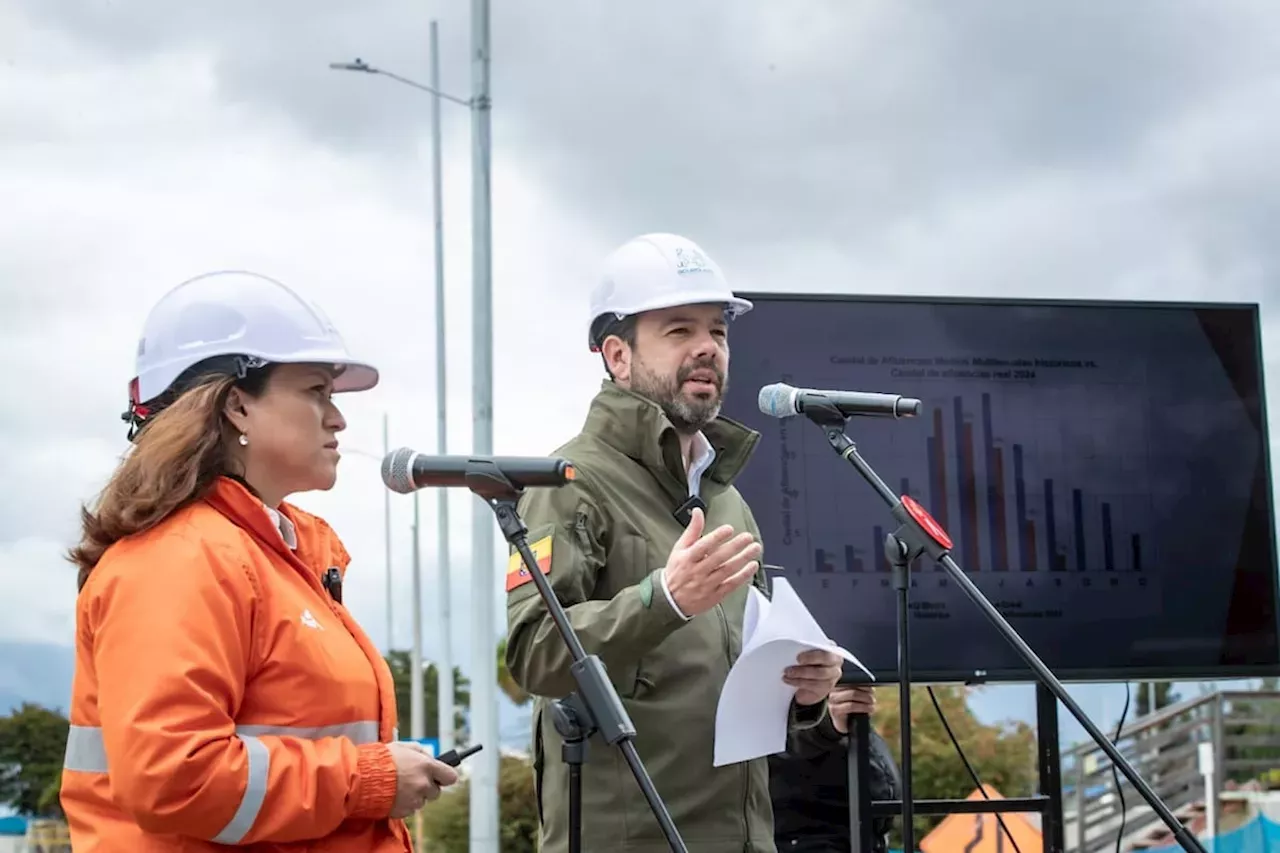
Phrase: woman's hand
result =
(419, 777)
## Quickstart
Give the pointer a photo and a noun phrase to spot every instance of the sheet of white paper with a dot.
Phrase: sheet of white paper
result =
(751, 717)
(757, 610)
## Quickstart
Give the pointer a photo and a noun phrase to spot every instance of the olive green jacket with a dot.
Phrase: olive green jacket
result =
(608, 533)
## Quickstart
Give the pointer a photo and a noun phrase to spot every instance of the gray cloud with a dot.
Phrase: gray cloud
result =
(767, 126)
(275, 57)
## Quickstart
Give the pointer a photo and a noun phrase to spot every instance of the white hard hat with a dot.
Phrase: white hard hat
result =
(249, 320)
(656, 271)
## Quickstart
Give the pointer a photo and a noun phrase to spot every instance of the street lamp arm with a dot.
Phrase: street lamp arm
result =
(361, 65)
(423, 87)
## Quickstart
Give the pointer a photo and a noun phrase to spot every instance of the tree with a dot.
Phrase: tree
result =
(33, 740)
(1004, 756)
(506, 683)
(446, 822)
(50, 802)
(401, 665)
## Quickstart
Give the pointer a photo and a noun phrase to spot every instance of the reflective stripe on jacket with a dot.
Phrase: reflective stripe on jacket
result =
(223, 697)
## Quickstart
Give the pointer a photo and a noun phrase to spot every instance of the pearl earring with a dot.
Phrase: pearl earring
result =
(244, 440)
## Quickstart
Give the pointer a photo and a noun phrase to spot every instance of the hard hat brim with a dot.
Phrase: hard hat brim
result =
(735, 306)
(353, 374)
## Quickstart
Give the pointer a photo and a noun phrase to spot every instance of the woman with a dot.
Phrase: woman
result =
(222, 694)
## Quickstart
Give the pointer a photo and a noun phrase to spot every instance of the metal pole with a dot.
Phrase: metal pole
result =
(1079, 799)
(417, 721)
(386, 523)
(484, 669)
(416, 716)
(444, 674)
(417, 712)
(1207, 770)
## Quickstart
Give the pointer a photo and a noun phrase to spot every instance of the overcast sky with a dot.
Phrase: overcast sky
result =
(985, 148)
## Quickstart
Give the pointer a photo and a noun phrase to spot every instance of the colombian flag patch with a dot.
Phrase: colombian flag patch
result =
(518, 574)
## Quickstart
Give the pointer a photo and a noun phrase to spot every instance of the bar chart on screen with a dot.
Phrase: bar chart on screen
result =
(1015, 459)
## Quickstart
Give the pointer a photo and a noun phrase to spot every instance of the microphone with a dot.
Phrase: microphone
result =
(780, 400)
(405, 470)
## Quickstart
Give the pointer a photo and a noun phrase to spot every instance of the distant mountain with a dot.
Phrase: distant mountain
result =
(41, 673)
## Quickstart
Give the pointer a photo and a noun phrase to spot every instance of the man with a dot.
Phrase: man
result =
(810, 786)
(652, 551)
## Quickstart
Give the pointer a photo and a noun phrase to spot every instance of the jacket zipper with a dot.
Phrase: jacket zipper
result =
(744, 766)
(318, 583)
(580, 530)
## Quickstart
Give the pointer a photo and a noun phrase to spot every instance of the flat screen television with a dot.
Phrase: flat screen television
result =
(1102, 469)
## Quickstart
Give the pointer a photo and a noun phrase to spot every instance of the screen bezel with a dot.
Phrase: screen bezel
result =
(1101, 674)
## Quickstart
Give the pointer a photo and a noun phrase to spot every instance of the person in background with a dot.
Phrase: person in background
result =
(810, 784)
(223, 696)
(652, 552)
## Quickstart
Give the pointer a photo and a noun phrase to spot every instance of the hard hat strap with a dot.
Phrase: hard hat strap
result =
(140, 412)
(603, 327)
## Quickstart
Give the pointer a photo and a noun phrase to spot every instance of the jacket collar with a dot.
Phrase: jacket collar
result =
(637, 427)
(317, 546)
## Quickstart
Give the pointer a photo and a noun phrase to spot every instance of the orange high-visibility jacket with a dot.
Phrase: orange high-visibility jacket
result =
(223, 697)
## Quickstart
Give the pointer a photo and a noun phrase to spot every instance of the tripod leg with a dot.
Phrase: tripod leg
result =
(859, 783)
(896, 551)
(568, 723)
(575, 808)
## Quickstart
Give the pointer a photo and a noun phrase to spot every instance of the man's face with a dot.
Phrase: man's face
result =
(680, 361)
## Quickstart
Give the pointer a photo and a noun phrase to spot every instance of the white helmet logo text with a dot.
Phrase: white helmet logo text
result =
(691, 260)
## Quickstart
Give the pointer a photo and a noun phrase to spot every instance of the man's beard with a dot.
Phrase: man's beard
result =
(687, 414)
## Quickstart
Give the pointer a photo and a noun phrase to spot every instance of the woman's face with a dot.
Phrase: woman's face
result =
(291, 430)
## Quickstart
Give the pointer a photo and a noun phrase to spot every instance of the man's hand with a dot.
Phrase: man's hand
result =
(813, 675)
(702, 570)
(846, 700)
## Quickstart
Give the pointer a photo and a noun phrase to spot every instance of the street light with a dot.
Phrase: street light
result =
(445, 686)
(484, 727)
(360, 65)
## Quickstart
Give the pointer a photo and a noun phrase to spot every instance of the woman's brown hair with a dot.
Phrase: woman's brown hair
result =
(176, 458)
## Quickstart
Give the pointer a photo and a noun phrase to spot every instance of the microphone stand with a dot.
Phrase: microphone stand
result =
(919, 534)
(595, 706)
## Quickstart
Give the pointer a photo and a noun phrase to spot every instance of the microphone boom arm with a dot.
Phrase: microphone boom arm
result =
(919, 534)
(595, 706)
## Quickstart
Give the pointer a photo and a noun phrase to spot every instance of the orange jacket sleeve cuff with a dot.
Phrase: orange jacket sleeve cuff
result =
(375, 782)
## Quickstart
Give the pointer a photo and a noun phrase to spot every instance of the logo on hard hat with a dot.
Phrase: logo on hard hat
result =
(691, 260)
